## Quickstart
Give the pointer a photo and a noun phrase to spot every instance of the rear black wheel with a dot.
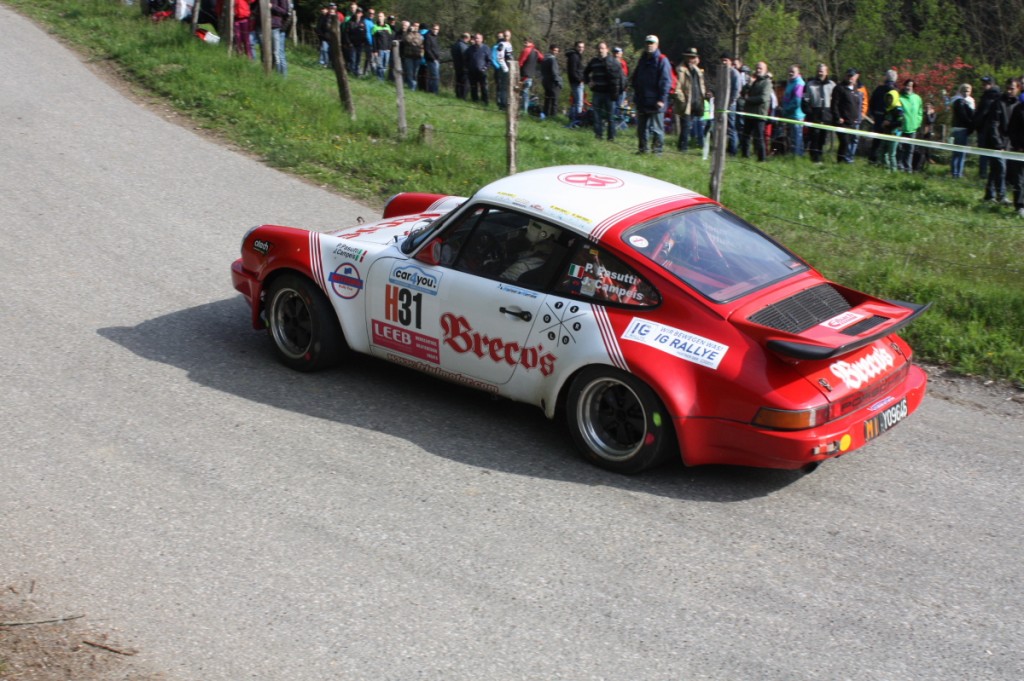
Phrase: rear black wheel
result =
(303, 325)
(617, 421)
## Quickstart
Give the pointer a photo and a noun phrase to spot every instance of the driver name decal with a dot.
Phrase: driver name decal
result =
(460, 337)
(676, 342)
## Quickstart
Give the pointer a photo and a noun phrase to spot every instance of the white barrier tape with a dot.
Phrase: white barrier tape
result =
(942, 146)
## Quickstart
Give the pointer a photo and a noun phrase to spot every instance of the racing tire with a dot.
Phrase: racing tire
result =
(302, 324)
(617, 422)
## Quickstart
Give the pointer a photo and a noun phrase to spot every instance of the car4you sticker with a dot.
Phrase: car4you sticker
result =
(676, 342)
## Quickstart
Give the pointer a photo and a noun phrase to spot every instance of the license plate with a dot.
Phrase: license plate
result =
(876, 425)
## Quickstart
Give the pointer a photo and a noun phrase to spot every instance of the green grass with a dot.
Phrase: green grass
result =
(921, 237)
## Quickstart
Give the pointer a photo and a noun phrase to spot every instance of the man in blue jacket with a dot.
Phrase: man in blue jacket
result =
(652, 81)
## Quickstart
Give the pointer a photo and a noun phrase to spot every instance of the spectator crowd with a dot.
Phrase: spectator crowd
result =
(657, 95)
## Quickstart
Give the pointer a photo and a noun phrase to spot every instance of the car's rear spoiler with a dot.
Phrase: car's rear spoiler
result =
(810, 351)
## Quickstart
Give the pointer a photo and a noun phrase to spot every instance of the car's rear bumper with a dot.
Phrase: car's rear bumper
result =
(719, 441)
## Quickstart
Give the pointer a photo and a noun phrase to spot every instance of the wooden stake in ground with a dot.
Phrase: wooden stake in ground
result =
(512, 115)
(721, 131)
(266, 37)
(396, 67)
(338, 63)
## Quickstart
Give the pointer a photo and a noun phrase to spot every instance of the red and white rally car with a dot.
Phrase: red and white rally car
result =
(655, 320)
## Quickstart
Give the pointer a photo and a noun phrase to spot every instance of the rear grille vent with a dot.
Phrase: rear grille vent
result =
(804, 310)
(864, 326)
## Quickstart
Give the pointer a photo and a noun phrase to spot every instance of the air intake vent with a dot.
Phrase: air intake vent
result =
(864, 326)
(804, 310)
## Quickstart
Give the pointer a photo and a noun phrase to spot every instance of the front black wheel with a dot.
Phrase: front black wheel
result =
(302, 324)
(617, 421)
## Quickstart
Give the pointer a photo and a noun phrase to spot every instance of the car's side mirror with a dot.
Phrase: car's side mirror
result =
(431, 253)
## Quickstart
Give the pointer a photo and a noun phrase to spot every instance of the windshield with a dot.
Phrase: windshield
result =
(713, 251)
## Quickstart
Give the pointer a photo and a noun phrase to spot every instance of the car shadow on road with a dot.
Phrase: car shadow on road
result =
(215, 345)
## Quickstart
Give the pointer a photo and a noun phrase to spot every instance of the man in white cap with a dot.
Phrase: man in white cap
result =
(652, 81)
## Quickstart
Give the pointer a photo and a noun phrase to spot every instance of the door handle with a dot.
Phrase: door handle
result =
(525, 315)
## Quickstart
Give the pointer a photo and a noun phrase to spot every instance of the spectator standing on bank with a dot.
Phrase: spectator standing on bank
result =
(279, 10)
(529, 61)
(355, 32)
(478, 63)
(913, 115)
(606, 82)
(963, 122)
(757, 99)
(574, 67)
(993, 134)
(793, 109)
(432, 57)
(688, 98)
(551, 79)
(383, 41)
(846, 113)
(892, 125)
(458, 51)
(1015, 136)
(817, 105)
(323, 28)
(652, 82)
(412, 54)
(878, 106)
(990, 94)
(728, 100)
(617, 53)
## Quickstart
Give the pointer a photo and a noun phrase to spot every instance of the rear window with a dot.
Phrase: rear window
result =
(714, 251)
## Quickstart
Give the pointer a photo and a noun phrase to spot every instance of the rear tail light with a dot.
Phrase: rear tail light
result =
(783, 419)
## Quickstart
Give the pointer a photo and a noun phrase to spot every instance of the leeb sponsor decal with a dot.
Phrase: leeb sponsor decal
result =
(406, 341)
(855, 374)
(346, 281)
(416, 278)
(676, 342)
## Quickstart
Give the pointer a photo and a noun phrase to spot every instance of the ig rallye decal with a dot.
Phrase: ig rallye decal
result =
(346, 281)
(676, 342)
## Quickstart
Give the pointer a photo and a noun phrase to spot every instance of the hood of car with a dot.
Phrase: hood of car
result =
(387, 230)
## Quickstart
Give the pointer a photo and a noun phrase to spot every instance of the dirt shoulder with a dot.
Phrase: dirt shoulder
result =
(38, 644)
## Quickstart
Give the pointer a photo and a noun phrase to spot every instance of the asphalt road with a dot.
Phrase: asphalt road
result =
(233, 520)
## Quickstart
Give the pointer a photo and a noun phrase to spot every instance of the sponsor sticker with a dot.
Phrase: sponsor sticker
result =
(676, 342)
(842, 321)
(857, 373)
(416, 277)
(518, 291)
(406, 341)
(591, 180)
(638, 241)
(262, 247)
(350, 252)
(459, 335)
(346, 281)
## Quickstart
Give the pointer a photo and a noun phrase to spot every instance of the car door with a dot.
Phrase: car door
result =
(466, 306)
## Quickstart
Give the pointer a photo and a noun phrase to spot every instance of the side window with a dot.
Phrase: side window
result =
(508, 246)
(596, 275)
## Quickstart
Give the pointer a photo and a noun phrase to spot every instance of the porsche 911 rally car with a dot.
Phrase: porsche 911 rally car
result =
(653, 319)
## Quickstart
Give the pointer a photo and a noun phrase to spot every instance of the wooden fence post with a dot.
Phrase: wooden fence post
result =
(396, 69)
(266, 37)
(338, 64)
(721, 138)
(512, 115)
